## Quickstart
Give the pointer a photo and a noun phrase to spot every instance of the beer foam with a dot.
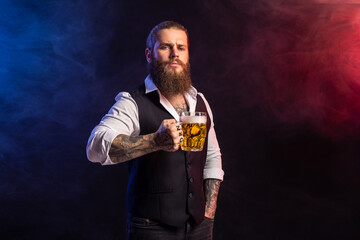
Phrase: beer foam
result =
(193, 119)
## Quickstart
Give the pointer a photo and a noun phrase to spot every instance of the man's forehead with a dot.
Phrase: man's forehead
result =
(172, 35)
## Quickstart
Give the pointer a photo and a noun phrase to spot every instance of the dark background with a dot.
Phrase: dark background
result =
(282, 78)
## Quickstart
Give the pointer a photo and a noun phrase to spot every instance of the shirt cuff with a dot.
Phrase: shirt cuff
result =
(214, 173)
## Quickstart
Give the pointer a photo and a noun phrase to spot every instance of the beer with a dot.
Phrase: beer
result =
(193, 125)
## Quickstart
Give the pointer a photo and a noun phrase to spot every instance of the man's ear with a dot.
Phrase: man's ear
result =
(148, 55)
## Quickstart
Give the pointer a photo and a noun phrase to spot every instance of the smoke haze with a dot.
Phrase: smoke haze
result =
(282, 79)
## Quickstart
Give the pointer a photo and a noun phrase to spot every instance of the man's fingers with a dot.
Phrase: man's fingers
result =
(176, 146)
(173, 130)
(169, 121)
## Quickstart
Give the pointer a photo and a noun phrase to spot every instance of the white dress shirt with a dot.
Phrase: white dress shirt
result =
(123, 118)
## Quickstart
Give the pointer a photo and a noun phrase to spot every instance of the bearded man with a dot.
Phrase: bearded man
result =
(171, 193)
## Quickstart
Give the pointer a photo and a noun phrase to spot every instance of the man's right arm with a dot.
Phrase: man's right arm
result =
(116, 139)
(167, 138)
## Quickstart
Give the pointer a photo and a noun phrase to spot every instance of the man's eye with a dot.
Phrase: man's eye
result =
(164, 47)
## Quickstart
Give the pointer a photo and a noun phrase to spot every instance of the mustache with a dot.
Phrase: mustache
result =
(175, 60)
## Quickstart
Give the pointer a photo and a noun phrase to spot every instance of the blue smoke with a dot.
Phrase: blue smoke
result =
(49, 52)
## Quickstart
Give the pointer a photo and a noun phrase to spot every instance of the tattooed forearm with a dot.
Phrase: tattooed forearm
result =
(125, 148)
(211, 188)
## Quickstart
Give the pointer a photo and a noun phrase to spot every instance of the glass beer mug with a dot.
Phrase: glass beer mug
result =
(193, 125)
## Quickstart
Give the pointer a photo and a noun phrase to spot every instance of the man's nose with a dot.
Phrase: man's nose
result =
(174, 53)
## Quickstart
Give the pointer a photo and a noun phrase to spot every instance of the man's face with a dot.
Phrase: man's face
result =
(169, 64)
(172, 47)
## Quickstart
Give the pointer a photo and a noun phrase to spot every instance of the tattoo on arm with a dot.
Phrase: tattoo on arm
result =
(125, 148)
(181, 108)
(211, 187)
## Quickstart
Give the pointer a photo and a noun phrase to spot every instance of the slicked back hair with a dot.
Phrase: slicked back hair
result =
(153, 35)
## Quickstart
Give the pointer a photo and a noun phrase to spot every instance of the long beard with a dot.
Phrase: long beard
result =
(167, 80)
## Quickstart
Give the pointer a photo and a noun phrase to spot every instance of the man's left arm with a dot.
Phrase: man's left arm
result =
(213, 173)
(211, 188)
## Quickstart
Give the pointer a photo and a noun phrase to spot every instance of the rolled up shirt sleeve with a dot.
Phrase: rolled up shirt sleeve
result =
(122, 118)
(213, 165)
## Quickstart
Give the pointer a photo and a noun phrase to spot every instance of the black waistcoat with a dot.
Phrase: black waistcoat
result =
(165, 186)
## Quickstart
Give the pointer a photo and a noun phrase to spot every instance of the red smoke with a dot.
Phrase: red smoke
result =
(313, 66)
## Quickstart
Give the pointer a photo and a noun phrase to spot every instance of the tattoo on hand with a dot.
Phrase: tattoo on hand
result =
(165, 140)
(211, 187)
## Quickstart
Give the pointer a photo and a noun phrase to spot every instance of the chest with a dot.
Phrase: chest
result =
(180, 106)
